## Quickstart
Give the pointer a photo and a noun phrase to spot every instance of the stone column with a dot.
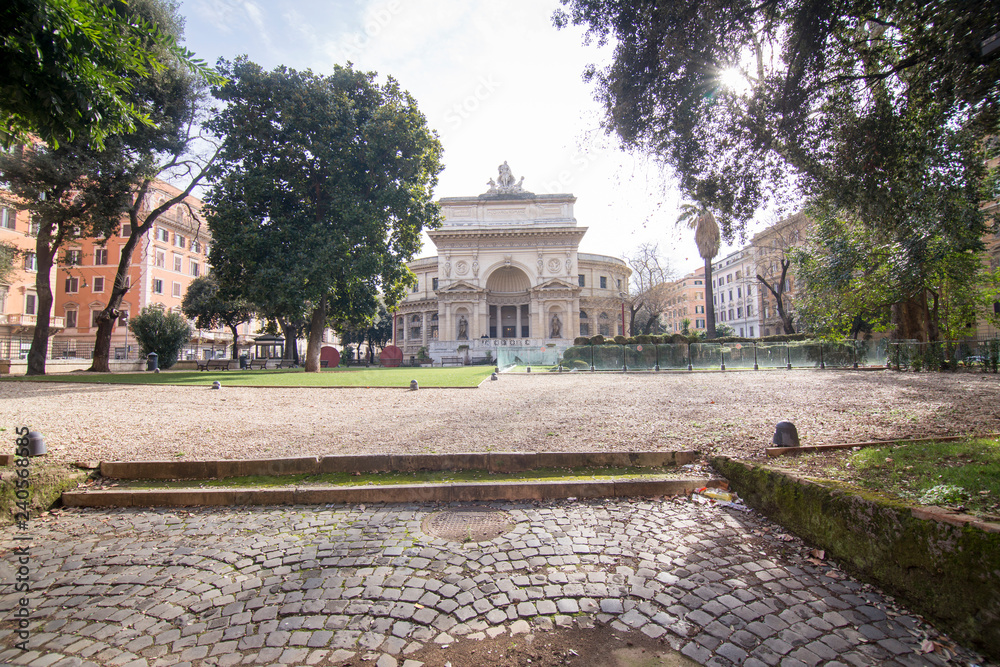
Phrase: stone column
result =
(424, 325)
(517, 322)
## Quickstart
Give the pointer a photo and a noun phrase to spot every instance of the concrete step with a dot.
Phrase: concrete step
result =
(438, 492)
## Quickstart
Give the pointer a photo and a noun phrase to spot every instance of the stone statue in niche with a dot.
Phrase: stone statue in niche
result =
(555, 330)
(463, 328)
(475, 268)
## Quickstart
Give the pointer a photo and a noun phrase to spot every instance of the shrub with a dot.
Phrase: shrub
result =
(581, 340)
(621, 340)
(161, 332)
(578, 364)
(597, 340)
(943, 494)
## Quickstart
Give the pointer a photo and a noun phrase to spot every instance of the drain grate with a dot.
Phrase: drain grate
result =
(468, 524)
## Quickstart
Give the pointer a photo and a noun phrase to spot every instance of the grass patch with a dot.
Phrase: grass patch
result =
(48, 479)
(463, 376)
(958, 474)
(422, 477)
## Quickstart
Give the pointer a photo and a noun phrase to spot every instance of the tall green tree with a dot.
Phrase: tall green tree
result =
(70, 68)
(877, 109)
(203, 304)
(322, 188)
(82, 189)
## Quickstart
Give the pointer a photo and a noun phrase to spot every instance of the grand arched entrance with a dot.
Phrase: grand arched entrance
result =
(509, 302)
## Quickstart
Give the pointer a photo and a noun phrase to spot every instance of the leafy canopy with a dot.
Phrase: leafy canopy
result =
(878, 108)
(321, 190)
(70, 67)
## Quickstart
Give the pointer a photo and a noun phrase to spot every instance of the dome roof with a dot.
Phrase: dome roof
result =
(508, 279)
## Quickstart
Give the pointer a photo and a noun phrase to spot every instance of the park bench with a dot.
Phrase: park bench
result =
(257, 364)
(450, 361)
(214, 365)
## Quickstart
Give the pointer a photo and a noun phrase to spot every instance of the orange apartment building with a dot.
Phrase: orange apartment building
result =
(18, 297)
(686, 300)
(168, 257)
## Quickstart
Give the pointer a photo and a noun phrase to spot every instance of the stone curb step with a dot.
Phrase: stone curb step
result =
(385, 494)
(497, 462)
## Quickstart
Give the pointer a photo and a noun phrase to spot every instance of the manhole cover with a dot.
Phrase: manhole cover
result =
(468, 524)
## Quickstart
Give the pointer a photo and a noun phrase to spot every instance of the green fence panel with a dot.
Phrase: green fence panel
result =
(673, 357)
(706, 355)
(738, 355)
(608, 357)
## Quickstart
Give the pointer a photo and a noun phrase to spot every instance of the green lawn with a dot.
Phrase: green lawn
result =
(463, 376)
(963, 473)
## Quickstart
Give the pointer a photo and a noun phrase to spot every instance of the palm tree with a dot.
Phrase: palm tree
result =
(709, 239)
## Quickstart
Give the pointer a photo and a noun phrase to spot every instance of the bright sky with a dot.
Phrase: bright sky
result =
(496, 80)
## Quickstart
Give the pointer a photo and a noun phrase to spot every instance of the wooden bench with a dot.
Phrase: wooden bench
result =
(257, 364)
(214, 365)
(446, 361)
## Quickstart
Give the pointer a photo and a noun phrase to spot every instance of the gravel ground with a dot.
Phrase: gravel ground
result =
(730, 413)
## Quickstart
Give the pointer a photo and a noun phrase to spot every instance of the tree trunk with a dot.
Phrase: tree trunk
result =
(236, 341)
(709, 306)
(290, 332)
(907, 316)
(317, 324)
(43, 309)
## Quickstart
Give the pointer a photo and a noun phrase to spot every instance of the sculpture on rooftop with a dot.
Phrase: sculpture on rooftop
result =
(505, 185)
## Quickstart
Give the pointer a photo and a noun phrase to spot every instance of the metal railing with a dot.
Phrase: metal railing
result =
(703, 356)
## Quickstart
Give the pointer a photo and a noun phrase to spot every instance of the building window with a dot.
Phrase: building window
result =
(751, 331)
(30, 262)
(195, 246)
(604, 282)
(161, 259)
(126, 230)
(74, 257)
(178, 263)
(739, 313)
(30, 300)
(70, 319)
(416, 286)
(699, 309)
(72, 285)
(157, 286)
(434, 325)
(584, 323)
(699, 324)
(604, 327)
(434, 284)
(750, 313)
(100, 256)
(98, 284)
(582, 280)
(128, 282)
(176, 290)
(739, 293)
(195, 269)
(619, 283)
(94, 316)
(697, 282)
(162, 235)
(33, 227)
(7, 218)
(731, 314)
(180, 241)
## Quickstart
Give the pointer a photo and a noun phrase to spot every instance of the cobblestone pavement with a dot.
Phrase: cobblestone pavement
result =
(324, 585)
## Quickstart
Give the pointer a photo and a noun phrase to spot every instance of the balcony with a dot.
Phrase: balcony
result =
(20, 323)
